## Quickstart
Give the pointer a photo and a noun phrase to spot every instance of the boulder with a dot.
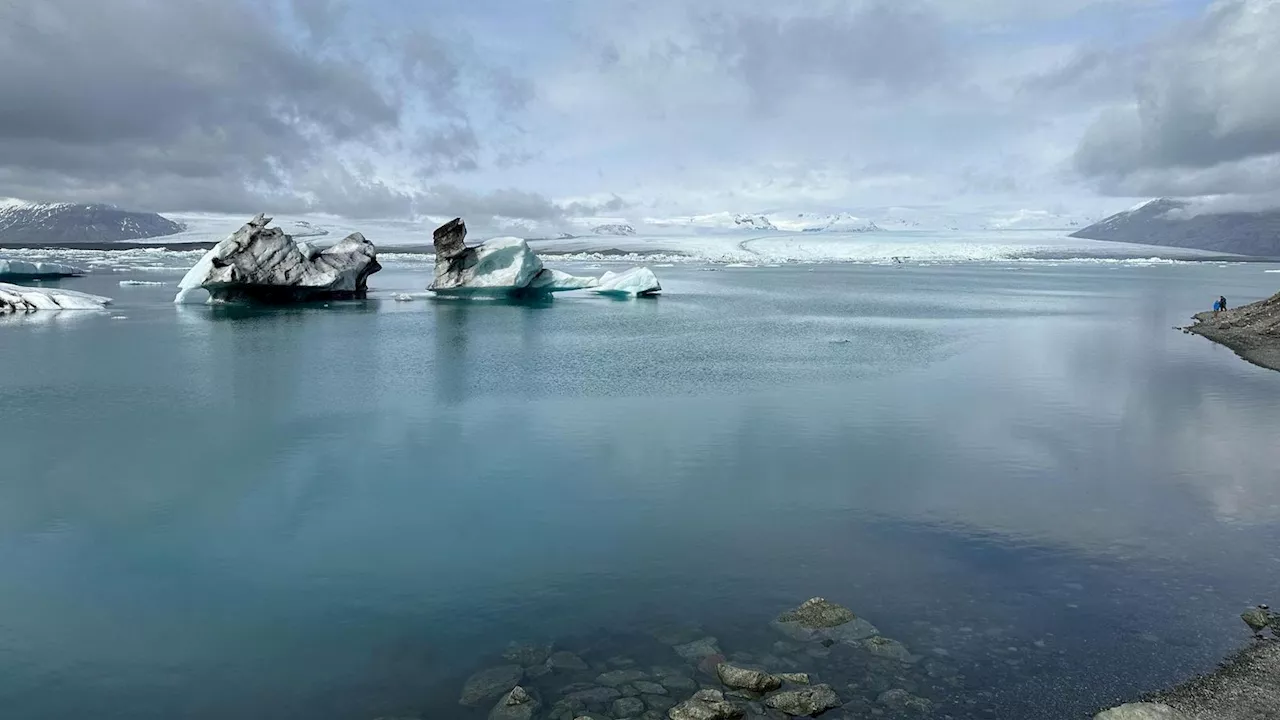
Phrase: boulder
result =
(808, 702)
(884, 647)
(649, 687)
(746, 679)
(527, 655)
(706, 705)
(490, 683)
(594, 695)
(698, 649)
(617, 678)
(22, 299)
(261, 263)
(902, 701)
(515, 705)
(1141, 711)
(796, 678)
(628, 707)
(565, 660)
(820, 619)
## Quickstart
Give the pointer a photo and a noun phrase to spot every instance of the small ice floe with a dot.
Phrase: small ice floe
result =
(140, 283)
(403, 297)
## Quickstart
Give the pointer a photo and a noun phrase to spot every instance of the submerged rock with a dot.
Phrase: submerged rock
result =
(259, 263)
(648, 687)
(820, 619)
(903, 701)
(595, 695)
(805, 703)
(515, 705)
(1141, 711)
(627, 707)
(796, 678)
(617, 678)
(490, 683)
(698, 649)
(527, 655)
(884, 647)
(707, 705)
(565, 660)
(22, 299)
(746, 679)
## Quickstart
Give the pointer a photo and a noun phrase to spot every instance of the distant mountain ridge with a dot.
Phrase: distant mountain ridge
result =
(1166, 222)
(57, 223)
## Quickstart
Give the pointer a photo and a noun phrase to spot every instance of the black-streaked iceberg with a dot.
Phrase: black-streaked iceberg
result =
(507, 266)
(260, 263)
(23, 299)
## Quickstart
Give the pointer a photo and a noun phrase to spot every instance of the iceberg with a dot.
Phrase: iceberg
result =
(21, 299)
(502, 266)
(635, 282)
(258, 263)
(22, 270)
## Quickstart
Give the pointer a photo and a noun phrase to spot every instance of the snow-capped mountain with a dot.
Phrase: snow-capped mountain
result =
(51, 223)
(820, 222)
(1175, 223)
(614, 229)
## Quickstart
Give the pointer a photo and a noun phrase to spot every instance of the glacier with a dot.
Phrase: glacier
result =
(22, 299)
(23, 270)
(261, 263)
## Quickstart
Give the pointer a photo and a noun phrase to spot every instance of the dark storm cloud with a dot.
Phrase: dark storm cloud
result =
(194, 105)
(1205, 115)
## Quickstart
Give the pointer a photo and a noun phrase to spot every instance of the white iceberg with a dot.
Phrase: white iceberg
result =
(635, 282)
(502, 266)
(265, 264)
(21, 299)
(22, 270)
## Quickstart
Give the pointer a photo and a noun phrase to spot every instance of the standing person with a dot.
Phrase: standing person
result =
(1222, 301)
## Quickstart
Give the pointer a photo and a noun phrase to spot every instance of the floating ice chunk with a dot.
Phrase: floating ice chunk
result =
(403, 297)
(23, 270)
(634, 282)
(139, 283)
(262, 263)
(502, 265)
(556, 281)
(21, 299)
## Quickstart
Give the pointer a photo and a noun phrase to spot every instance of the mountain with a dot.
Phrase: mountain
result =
(57, 223)
(1167, 223)
(613, 229)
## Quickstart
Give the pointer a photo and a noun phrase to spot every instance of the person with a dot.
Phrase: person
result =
(1222, 301)
(1217, 305)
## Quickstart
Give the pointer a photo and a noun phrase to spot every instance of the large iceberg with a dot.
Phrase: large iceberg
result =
(22, 270)
(502, 266)
(22, 299)
(259, 263)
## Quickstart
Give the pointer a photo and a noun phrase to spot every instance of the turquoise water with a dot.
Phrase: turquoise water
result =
(1018, 470)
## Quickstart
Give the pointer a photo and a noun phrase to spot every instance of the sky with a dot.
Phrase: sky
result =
(546, 111)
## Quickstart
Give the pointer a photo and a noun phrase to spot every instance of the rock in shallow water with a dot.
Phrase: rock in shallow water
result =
(903, 701)
(627, 707)
(617, 678)
(820, 619)
(515, 705)
(698, 649)
(490, 683)
(746, 679)
(805, 703)
(1141, 711)
(565, 661)
(706, 705)
(259, 263)
(527, 655)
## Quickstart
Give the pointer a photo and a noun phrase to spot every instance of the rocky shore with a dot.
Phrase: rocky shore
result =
(1245, 687)
(1253, 331)
(822, 660)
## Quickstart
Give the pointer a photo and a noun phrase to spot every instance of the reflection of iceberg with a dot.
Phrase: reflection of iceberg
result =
(21, 299)
(22, 270)
(632, 283)
(262, 263)
(506, 266)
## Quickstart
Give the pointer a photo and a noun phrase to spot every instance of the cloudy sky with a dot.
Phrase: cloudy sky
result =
(550, 109)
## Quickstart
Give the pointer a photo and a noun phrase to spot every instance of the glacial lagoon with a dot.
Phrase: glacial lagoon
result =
(1017, 470)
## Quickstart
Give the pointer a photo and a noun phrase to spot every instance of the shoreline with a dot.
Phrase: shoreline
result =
(1245, 686)
(1251, 331)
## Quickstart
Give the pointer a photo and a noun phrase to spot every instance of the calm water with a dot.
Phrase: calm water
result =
(1018, 470)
